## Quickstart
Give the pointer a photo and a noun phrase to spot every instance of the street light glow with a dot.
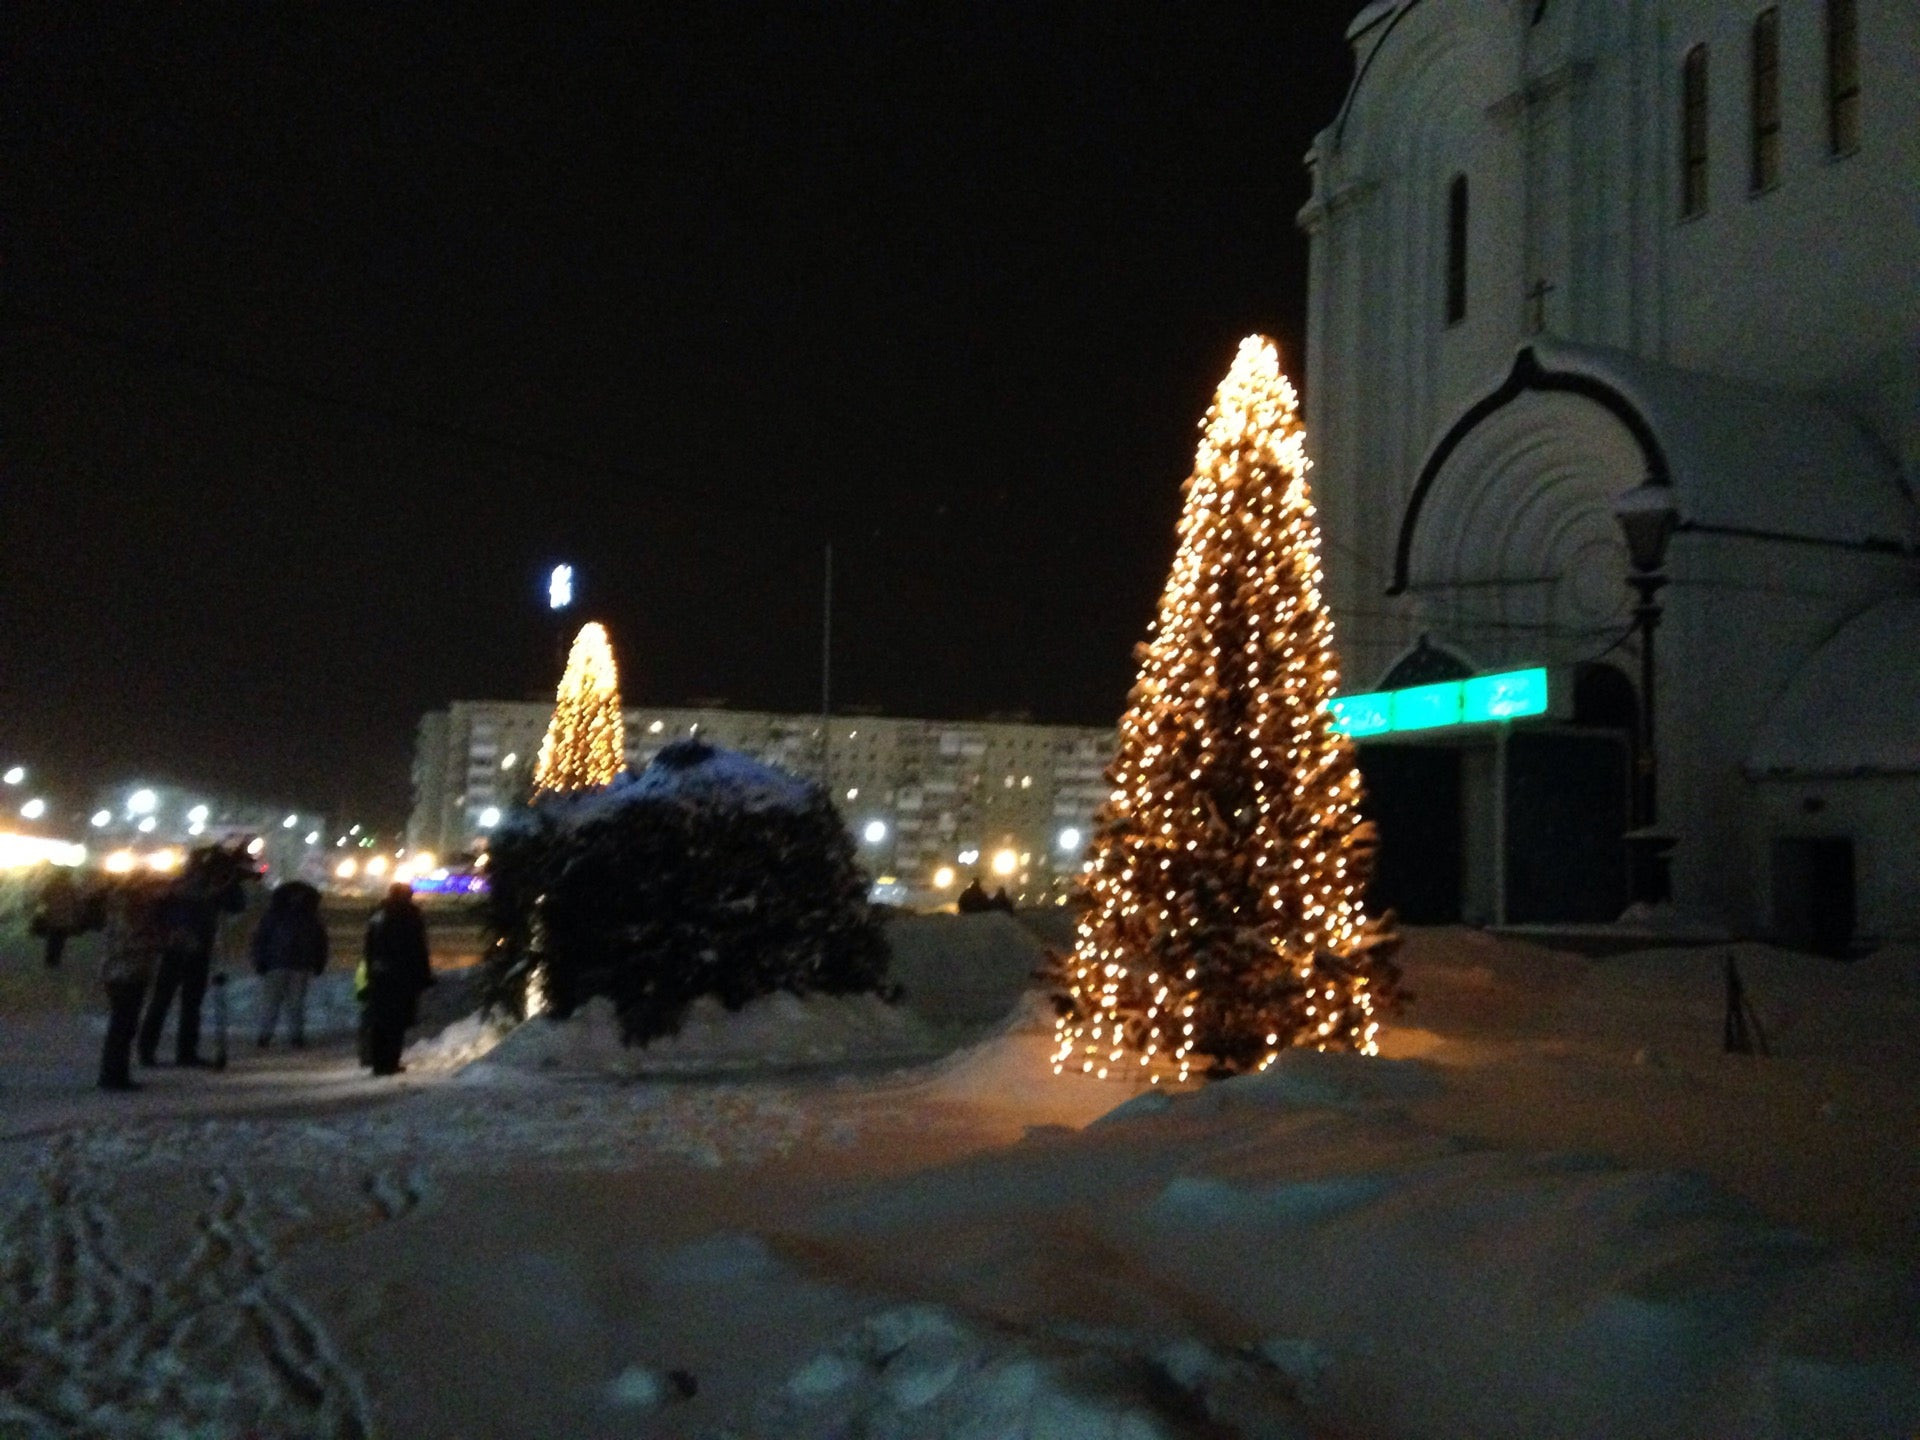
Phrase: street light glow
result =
(102, 819)
(943, 877)
(1005, 862)
(198, 815)
(147, 825)
(489, 817)
(560, 587)
(141, 802)
(876, 831)
(289, 822)
(33, 809)
(15, 774)
(1070, 839)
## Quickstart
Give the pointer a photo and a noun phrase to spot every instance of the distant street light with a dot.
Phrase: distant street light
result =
(876, 831)
(560, 587)
(141, 802)
(102, 819)
(1005, 862)
(1070, 839)
(33, 809)
(489, 817)
(15, 774)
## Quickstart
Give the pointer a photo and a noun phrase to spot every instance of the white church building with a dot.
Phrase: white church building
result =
(1570, 251)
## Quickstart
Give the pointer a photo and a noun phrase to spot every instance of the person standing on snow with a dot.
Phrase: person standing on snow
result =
(210, 886)
(289, 949)
(128, 960)
(57, 914)
(398, 969)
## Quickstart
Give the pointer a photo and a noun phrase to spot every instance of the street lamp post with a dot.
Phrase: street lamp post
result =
(1647, 516)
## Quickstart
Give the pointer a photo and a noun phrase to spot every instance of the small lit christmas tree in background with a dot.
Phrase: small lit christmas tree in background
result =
(1228, 869)
(586, 741)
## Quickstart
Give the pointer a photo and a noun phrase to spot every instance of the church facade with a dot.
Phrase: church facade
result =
(1566, 249)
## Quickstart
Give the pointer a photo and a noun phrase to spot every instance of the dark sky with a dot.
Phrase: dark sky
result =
(322, 331)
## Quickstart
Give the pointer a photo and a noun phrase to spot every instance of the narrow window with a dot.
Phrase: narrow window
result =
(1843, 77)
(1764, 170)
(1457, 250)
(1693, 132)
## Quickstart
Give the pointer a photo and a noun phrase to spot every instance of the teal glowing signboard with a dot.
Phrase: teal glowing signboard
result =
(1482, 700)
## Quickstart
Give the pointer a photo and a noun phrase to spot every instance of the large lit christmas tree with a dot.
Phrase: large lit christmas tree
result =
(1226, 879)
(585, 745)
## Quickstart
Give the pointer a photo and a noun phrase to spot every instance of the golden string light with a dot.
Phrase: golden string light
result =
(1227, 874)
(586, 744)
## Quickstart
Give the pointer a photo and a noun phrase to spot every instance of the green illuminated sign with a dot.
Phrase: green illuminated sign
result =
(1481, 700)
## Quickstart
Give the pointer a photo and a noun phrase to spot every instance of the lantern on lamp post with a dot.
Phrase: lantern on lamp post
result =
(1647, 518)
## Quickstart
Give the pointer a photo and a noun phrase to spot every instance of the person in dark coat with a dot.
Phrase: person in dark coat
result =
(57, 914)
(398, 969)
(128, 960)
(289, 949)
(210, 886)
(973, 900)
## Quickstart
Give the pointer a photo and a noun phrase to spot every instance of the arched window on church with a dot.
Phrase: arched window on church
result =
(1764, 160)
(1693, 132)
(1843, 77)
(1457, 250)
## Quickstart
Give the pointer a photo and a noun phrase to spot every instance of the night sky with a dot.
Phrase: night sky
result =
(323, 332)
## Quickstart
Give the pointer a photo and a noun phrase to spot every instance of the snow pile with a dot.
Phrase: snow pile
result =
(921, 1372)
(777, 1031)
(963, 970)
(466, 1040)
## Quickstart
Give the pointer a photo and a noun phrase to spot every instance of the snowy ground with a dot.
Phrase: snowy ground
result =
(1555, 1210)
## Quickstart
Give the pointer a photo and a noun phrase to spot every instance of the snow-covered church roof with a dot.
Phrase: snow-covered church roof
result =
(1748, 456)
(1741, 459)
(1854, 708)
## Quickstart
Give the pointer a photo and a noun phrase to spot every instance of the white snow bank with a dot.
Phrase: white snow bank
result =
(922, 1372)
(963, 970)
(777, 1031)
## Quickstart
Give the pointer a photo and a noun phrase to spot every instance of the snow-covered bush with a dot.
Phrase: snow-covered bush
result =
(706, 874)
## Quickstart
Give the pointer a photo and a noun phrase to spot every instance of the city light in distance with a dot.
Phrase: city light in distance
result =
(489, 817)
(21, 852)
(346, 870)
(560, 587)
(943, 877)
(102, 819)
(875, 832)
(255, 846)
(1070, 839)
(198, 827)
(146, 826)
(968, 857)
(15, 775)
(164, 862)
(854, 794)
(313, 837)
(1005, 862)
(377, 865)
(33, 809)
(141, 802)
(289, 822)
(120, 862)
(198, 815)
(509, 761)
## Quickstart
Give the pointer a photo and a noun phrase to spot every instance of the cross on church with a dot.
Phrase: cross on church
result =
(1537, 295)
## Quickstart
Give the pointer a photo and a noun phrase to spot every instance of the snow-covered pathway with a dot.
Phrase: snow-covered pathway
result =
(1559, 1214)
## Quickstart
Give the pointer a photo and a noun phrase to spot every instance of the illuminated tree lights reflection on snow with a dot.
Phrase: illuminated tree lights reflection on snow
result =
(585, 745)
(1226, 877)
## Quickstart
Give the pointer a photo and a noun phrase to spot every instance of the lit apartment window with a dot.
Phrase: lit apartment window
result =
(1843, 77)
(1764, 169)
(1693, 132)
(1457, 250)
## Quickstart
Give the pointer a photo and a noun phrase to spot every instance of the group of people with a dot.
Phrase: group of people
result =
(159, 943)
(974, 900)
